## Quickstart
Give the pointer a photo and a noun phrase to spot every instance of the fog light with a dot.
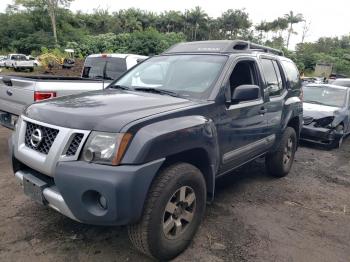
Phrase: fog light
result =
(89, 155)
(103, 202)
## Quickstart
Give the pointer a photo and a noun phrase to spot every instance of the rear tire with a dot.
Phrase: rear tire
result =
(172, 213)
(279, 163)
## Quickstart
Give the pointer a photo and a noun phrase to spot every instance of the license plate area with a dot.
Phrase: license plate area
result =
(8, 119)
(34, 187)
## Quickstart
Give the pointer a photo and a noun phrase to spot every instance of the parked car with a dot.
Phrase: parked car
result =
(17, 92)
(3, 61)
(146, 151)
(19, 62)
(342, 82)
(326, 114)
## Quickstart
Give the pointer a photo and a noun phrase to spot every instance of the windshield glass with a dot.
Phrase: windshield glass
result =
(186, 75)
(341, 83)
(19, 57)
(325, 95)
(104, 67)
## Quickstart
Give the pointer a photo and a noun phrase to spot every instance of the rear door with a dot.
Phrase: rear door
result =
(275, 92)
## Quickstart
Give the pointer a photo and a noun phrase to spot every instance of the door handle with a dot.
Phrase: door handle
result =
(263, 110)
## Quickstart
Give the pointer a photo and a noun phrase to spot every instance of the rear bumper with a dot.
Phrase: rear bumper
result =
(319, 135)
(77, 187)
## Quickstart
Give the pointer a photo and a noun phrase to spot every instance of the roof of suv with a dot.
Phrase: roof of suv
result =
(124, 56)
(221, 46)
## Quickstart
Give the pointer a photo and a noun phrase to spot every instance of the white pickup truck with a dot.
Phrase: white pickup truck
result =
(17, 92)
(19, 62)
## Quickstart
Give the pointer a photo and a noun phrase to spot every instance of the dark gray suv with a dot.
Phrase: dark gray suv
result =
(146, 151)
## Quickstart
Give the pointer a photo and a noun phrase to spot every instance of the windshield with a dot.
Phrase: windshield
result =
(325, 95)
(186, 75)
(341, 83)
(109, 68)
(19, 57)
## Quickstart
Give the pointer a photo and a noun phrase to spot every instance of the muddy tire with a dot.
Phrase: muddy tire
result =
(172, 213)
(279, 163)
(338, 142)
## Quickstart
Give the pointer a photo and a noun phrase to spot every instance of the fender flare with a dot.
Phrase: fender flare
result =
(174, 136)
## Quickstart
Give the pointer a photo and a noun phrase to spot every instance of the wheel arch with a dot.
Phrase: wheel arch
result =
(199, 158)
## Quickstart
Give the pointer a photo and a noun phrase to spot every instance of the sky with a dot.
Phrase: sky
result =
(327, 18)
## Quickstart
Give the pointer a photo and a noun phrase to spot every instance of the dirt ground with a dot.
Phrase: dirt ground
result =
(303, 217)
(57, 70)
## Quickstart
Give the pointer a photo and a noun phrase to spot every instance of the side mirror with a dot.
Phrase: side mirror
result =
(245, 93)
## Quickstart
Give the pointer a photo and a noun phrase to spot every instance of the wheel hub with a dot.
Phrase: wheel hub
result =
(288, 152)
(179, 212)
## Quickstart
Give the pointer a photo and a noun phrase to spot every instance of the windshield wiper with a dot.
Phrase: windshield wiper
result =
(156, 91)
(120, 87)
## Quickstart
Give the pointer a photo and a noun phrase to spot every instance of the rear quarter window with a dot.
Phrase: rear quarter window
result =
(104, 67)
(292, 74)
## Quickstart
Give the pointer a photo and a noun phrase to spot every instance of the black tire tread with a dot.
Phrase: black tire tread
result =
(138, 233)
(273, 160)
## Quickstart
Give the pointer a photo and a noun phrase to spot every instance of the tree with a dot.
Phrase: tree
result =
(235, 21)
(51, 6)
(196, 18)
(292, 19)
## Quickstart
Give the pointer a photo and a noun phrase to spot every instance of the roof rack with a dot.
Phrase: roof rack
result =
(221, 46)
(247, 45)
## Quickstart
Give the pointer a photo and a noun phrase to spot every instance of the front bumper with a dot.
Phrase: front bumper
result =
(8, 120)
(320, 135)
(77, 186)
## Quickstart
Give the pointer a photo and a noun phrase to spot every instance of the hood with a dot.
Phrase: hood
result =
(107, 110)
(317, 111)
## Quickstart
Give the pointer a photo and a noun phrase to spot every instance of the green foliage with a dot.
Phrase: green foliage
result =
(335, 51)
(146, 42)
(26, 27)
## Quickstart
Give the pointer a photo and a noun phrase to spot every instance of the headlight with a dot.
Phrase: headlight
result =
(324, 122)
(106, 148)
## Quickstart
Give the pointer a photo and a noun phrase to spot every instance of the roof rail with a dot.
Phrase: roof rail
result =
(247, 45)
(221, 46)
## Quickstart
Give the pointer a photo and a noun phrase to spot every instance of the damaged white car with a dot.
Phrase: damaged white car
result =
(326, 114)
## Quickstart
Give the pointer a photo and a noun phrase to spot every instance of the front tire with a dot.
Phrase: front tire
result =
(172, 214)
(279, 163)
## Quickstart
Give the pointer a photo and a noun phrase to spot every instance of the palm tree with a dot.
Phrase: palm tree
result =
(292, 19)
(196, 17)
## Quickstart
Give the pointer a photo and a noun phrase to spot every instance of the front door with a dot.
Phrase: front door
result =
(242, 129)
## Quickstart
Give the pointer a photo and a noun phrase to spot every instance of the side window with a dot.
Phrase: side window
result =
(292, 74)
(244, 73)
(272, 76)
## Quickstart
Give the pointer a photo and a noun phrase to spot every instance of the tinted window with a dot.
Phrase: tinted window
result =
(244, 73)
(272, 76)
(19, 57)
(104, 67)
(292, 74)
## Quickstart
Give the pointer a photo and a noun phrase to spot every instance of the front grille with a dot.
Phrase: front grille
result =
(307, 120)
(48, 137)
(74, 145)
